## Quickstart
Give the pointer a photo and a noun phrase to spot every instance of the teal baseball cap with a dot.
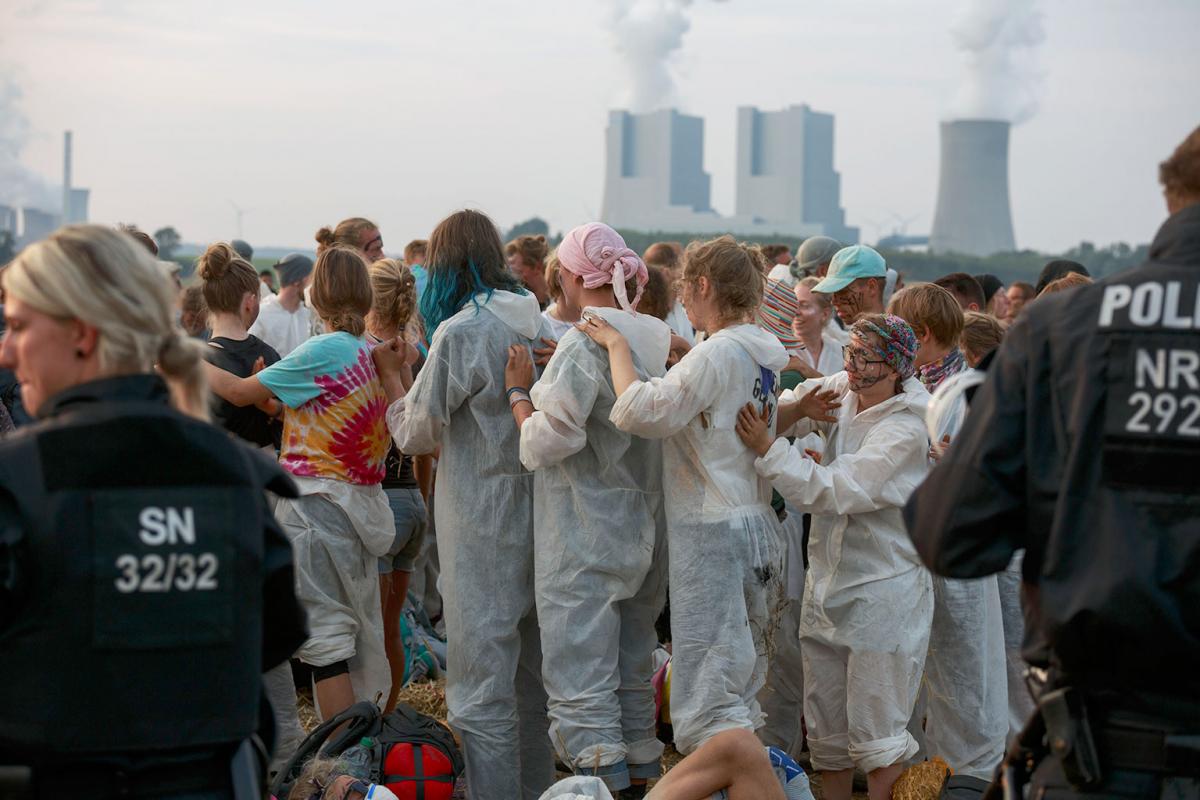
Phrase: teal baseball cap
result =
(848, 265)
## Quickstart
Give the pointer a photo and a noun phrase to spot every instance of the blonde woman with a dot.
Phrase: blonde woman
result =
(562, 313)
(122, 514)
(822, 348)
(334, 445)
(392, 315)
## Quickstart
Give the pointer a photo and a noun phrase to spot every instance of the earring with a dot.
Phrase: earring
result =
(79, 354)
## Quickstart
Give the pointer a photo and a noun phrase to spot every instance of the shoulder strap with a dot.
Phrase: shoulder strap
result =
(364, 715)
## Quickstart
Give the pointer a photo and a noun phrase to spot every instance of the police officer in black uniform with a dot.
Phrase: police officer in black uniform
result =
(1083, 448)
(144, 584)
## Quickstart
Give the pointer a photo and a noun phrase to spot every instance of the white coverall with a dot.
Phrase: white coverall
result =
(599, 558)
(974, 672)
(725, 558)
(782, 697)
(484, 511)
(868, 601)
(338, 531)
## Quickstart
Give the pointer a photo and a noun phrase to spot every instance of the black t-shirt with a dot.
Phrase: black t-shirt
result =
(238, 357)
(398, 466)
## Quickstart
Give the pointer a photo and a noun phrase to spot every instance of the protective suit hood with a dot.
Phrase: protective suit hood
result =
(518, 311)
(763, 347)
(649, 337)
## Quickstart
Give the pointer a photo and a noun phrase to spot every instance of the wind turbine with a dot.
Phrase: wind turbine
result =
(878, 226)
(238, 213)
(903, 222)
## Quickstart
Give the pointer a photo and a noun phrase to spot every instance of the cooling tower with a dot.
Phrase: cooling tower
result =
(973, 214)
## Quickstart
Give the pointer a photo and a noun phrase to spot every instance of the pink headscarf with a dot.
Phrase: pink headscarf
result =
(597, 253)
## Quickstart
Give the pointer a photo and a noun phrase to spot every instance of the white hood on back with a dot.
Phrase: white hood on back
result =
(648, 337)
(762, 346)
(518, 311)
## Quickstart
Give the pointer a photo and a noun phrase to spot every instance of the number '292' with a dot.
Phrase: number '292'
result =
(1155, 412)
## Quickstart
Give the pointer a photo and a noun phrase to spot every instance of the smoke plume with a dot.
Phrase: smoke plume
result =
(18, 185)
(998, 40)
(646, 33)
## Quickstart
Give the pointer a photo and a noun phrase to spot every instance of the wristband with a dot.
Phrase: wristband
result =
(520, 389)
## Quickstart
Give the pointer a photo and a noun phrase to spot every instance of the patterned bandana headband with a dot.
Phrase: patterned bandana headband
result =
(899, 343)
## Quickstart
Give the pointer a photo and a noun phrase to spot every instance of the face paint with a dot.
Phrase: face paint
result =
(863, 364)
(848, 303)
(860, 380)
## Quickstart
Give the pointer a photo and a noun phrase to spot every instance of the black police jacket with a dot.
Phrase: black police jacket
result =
(144, 583)
(1083, 448)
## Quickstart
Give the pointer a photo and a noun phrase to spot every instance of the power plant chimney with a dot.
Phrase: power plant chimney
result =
(973, 214)
(66, 206)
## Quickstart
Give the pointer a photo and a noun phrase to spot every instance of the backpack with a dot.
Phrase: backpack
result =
(412, 754)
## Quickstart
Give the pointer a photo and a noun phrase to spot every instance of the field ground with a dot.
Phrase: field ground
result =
(430, 698)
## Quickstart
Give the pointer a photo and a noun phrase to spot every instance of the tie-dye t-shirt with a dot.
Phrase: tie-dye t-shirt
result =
(334, 425)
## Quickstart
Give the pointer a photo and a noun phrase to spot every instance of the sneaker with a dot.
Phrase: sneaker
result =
(791, 776)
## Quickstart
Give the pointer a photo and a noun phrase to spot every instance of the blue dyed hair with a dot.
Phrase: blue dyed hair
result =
(465, 258)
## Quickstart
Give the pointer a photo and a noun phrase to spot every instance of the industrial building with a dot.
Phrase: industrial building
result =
(75, 201)
(973, 214)
(786, 184)
(38, 223)
(8, 220)
(785, 174)
(655, 178)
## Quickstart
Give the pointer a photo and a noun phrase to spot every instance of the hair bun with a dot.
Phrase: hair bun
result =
(215, 261)
(325, 236)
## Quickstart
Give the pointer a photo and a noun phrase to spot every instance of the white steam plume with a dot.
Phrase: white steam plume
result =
(999, 41)
(645, 34)
(18, 185)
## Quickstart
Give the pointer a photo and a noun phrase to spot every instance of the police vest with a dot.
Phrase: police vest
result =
(1151, 325)
(140, 627)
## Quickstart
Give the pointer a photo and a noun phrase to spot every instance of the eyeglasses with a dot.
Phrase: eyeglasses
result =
(857, 357)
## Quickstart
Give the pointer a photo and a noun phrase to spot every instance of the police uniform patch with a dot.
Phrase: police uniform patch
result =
(1152, 416)
(162, 567)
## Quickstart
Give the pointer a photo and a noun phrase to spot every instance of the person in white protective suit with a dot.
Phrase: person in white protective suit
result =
(980, 337)
(868, 602)
(474, 310)
(724, 554)
(335, 443)
(966, 686)
(599, 558)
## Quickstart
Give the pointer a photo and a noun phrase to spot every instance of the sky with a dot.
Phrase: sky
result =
(303, 112)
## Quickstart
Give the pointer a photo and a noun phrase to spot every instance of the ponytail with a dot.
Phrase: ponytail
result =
(180, 362)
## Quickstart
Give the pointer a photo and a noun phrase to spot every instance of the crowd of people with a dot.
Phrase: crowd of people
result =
(540, 446)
